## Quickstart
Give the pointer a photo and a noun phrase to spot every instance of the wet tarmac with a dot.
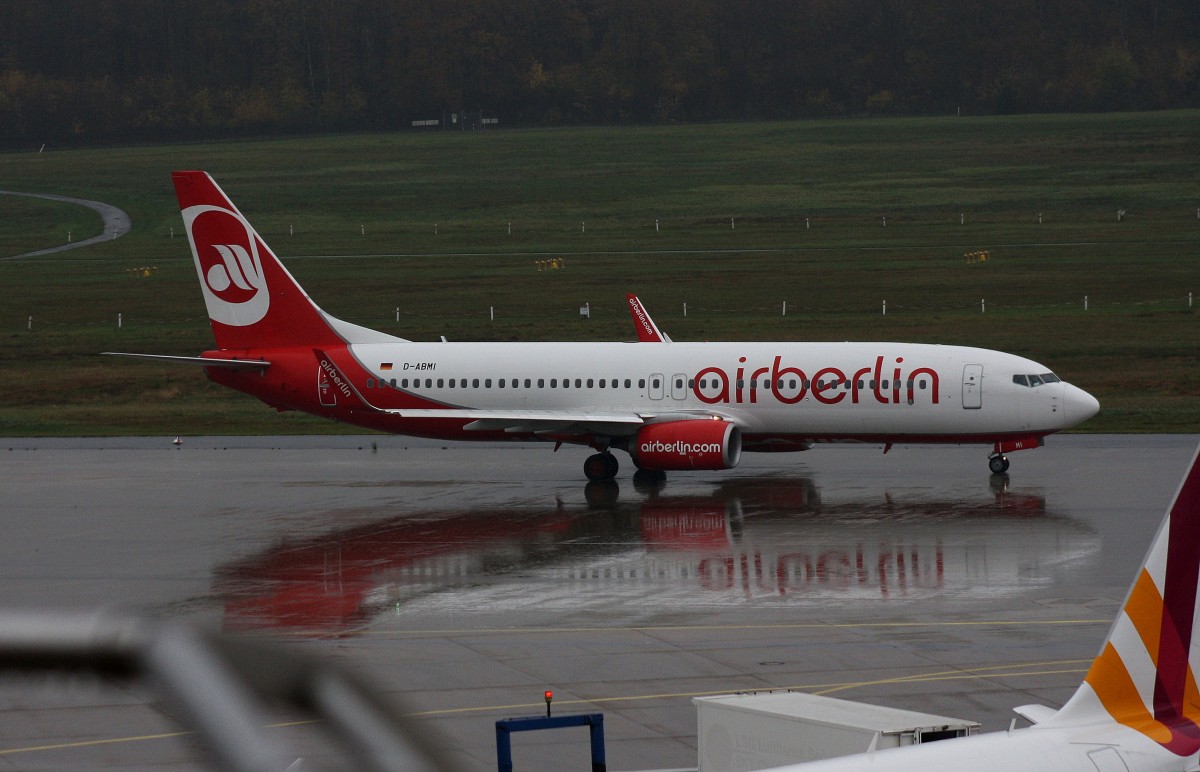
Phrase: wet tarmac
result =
(465, 580)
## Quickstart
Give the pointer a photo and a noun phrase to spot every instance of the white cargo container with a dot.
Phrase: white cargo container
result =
(758, 730)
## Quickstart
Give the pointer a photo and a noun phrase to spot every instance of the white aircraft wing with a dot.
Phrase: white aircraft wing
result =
(577, 421)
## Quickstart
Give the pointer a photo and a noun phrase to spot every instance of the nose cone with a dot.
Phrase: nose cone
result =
(1078, 405)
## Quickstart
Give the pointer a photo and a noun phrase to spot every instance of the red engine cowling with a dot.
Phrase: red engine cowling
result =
(692, 444)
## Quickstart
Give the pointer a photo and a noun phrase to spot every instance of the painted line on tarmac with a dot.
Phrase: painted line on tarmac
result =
(1012, 670)
(132, 739)
(384, 634)
(990, 671)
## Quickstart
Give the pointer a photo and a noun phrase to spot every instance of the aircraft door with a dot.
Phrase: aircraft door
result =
(326, 394)
(679, 388)
(656, 386)
(972, 390)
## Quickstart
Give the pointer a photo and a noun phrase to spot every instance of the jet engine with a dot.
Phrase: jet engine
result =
(689, 444)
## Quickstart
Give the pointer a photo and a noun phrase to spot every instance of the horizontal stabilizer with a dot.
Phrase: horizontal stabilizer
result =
(231, 364)
(1034, 714)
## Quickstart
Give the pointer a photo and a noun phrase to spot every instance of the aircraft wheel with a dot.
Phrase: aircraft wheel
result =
(600, 466)
(649, 480)
(998, 464)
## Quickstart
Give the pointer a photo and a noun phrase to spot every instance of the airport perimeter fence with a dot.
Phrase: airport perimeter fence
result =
(586, 311)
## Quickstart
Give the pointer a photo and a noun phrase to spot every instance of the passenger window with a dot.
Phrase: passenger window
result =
(475, 384)
(641, 383)
(601, 383)
(370, 383)
(553, 383)
(590, 383)
(441, 382)
(579, 383)
(404, 384)
(528, 383)
(541, 383)
(452, 383)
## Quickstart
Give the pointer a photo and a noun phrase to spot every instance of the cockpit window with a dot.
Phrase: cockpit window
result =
(1032, 380)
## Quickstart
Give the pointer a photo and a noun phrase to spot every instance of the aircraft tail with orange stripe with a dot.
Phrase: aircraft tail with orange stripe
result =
(1145, 675)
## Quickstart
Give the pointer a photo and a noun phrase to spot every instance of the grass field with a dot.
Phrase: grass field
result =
(831, 217)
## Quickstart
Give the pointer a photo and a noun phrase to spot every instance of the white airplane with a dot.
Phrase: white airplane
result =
(671, 405)
(1138, 708)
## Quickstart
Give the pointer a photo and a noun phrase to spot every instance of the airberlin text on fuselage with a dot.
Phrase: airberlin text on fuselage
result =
(885, 383)
(335, 377)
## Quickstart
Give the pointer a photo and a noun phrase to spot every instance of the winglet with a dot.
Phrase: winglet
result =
(647, 330)
(1145, 675)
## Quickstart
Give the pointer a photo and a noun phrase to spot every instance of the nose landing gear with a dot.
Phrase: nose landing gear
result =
(998, 463)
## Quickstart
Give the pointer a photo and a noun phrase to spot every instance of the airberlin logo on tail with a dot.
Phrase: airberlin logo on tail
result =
(225, 249)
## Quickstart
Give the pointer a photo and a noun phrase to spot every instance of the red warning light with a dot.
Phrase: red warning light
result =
(549, 696)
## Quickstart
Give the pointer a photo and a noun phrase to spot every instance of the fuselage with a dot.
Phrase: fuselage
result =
(1104, 746)
(777, 393)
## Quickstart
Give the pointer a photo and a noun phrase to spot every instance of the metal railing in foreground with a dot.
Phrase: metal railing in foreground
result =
(221, 686)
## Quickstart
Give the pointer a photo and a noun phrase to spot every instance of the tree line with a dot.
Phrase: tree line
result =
(93, 71)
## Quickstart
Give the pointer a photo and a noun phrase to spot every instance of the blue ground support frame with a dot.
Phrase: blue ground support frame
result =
(505, 728)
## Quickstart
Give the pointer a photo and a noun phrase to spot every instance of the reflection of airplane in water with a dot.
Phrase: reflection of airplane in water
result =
(761, 539)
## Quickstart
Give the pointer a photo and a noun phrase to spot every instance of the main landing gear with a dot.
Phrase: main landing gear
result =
(998, 463)
(600, 466)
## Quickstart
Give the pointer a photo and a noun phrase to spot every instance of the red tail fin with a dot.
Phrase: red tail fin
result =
(647, 330)
(252, 300)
